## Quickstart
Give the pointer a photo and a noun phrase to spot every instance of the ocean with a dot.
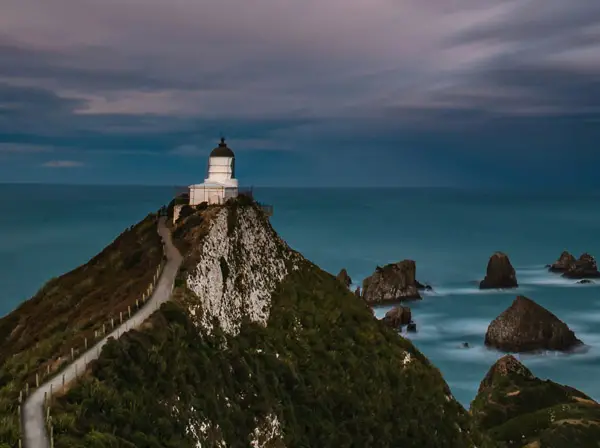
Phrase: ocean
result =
(47, 230)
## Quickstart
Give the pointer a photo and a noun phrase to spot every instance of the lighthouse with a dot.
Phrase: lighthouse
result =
(220, 183)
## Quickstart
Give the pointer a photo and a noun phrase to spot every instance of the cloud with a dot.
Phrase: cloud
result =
(62, 164)
(302, 58)
(304, 75)
(17, 148)
(189, 151)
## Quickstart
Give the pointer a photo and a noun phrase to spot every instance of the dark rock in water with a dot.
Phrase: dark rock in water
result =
(526, 326)
(519, 409)
(500, 273)
(584, 267)
(562, 264)
(584, 281)
(398, 316)
(344, 278)
(465, 345)
(411, 327)
(392, 283)
(423, 287)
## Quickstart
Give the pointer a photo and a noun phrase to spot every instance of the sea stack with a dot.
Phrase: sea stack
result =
(563, 263)
(500, 273)
(526, 326)
(584, 267)
(392, 283)
(398, 316)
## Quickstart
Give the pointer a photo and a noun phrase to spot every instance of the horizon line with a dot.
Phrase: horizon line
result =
(316, 187)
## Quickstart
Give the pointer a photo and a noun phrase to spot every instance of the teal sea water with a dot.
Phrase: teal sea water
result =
(47, 230)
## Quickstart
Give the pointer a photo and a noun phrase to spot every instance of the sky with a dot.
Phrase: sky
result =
(463, 93)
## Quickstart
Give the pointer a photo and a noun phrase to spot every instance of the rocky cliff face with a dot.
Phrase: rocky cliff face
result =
(393, 282)
(237, 270)
(526, 326)
(260, 348)
(584, 267)
(499, 273)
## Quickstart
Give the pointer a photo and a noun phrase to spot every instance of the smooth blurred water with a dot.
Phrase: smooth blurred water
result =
(451, 234)
(47, 230)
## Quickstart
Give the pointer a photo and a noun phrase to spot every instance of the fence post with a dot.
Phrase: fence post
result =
(37, 380)
(51, 390)
(48, 369)
(103, 330)
(129, 310)
(72, 353)
(51, 436)
(63, 380)
(121, 317)
(85, 343)
(112, 322)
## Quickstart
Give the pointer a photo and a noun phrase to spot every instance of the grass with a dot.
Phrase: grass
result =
(38, 336)
(517, 409)
(331, 373)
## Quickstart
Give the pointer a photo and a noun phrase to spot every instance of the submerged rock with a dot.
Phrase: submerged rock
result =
(562, 264)
(526, 326)
(411, 327)
(518, 409)
(344, 278)
(584, 267)
(422, 286)
(398, 316)
(500, 273)
(392, 283)
(585, 281)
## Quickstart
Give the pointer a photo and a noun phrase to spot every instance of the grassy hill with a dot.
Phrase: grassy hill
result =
(38, 336)
(259, 347)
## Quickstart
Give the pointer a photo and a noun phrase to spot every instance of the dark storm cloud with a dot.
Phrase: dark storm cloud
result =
(353, 75)
(533, 20)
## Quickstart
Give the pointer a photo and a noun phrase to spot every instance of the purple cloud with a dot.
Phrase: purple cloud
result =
(63, 164)
(154, 77)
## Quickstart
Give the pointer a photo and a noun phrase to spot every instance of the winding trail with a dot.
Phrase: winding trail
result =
(33, 416)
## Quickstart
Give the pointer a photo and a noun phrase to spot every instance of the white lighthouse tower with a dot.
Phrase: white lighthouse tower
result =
(220, 183)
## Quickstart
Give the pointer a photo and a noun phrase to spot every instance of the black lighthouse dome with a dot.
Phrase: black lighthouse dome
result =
(222, 150)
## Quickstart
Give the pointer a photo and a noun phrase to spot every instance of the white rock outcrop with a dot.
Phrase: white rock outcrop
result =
(237, 271)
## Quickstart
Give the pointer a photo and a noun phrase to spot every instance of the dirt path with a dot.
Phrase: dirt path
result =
(34, 429)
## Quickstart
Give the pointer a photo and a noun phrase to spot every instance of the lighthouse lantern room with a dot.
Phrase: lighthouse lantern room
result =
(220, 183)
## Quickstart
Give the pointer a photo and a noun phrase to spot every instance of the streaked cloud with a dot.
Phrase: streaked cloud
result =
(159, 77)
(62, 164)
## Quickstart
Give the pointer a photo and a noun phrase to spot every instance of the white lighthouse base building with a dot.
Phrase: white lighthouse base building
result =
(221, 183)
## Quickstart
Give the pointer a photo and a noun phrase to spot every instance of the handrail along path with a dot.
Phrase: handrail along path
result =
(33, 416)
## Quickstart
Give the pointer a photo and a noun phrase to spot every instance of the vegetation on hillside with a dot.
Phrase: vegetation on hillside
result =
(39, 334)
(518, 409)
(324, 366)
